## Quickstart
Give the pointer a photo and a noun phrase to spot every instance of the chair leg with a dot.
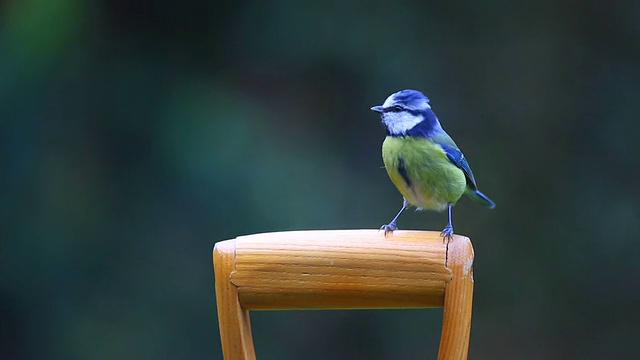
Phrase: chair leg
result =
(235, 327)
(458, 301)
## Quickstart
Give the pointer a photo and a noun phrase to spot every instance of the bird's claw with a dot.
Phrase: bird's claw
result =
(447, 233)
(389, 228)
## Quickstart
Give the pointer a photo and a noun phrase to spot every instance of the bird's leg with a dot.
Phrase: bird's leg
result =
(388, 228)
(447, 232)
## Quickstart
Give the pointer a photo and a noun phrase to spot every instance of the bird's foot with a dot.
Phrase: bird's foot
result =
(447, 233)
(389, 228)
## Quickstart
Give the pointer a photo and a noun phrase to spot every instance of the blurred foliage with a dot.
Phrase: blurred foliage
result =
(134, 135)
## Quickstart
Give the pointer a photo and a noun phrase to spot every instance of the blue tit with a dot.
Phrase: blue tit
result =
(422, 160)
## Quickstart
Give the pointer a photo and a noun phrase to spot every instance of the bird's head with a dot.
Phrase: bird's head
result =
(405, 109)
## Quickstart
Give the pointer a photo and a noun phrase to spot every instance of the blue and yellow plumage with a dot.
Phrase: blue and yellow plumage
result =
(422, 160)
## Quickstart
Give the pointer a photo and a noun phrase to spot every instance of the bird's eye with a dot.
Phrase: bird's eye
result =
(396, 108)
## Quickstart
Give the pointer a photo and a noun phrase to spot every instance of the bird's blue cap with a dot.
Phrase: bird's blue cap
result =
(409, 96)
(412, 99)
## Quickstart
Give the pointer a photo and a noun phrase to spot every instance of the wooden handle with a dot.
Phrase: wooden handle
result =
(343, 269)
(340, 269)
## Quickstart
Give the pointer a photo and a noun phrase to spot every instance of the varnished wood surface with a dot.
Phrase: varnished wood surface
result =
(345, 269)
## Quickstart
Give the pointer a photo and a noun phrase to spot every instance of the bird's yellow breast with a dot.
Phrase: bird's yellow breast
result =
(422, 172)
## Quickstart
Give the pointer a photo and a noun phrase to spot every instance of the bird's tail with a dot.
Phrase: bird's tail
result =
(481, 198)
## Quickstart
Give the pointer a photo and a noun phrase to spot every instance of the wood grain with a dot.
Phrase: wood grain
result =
(340, 269)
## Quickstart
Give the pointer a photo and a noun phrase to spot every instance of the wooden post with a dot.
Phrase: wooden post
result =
(235, 326)
(458, 301)
(343, 269)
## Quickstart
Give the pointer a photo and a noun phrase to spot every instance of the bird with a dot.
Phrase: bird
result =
(422, 160)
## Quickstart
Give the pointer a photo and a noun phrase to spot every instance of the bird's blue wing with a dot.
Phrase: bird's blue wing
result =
(455, 156)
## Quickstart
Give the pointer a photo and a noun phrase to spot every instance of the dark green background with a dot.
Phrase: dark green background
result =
(134, 135)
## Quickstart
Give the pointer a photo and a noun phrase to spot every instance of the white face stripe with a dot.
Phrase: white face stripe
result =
(399, 123)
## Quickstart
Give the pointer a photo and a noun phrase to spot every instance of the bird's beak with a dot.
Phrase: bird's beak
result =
(377, 109)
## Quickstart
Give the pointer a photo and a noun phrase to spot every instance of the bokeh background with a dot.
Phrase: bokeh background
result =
(134, 135)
